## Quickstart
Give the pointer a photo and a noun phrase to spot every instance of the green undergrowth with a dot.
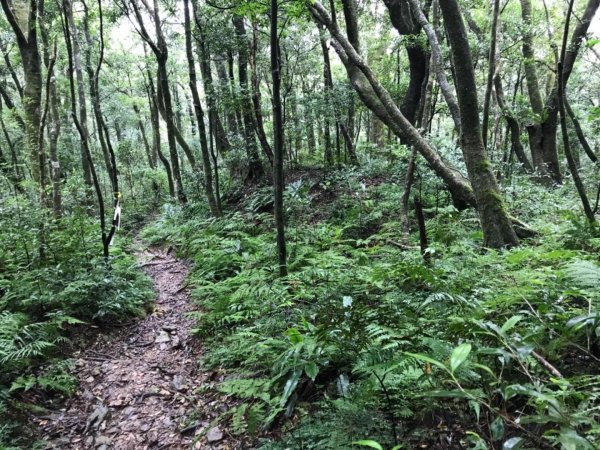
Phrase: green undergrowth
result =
(49, 299)
(364, 340)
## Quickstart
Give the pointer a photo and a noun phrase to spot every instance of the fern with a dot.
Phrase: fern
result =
(584, 274)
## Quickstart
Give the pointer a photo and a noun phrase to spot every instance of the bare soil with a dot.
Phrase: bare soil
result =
(139, 386)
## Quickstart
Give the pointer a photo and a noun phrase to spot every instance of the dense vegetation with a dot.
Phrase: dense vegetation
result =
(390, 207)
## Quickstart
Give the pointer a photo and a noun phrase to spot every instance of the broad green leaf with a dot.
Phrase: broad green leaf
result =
(369, 443)
(290, 386)
(510, 323)
(459, 355)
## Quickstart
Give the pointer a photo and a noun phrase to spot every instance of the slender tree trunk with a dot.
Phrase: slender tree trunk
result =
(278, 176)
(579, 131)
(255, 169)
(490, 74)
(309, 121)
(103, 132)
(155, 122)
(438, 63)
(256, 100)
(82, 131)
(404, 200)
(226, 86)
(328, 85)
(208, 183)
(150, 151)
(53, 127)
(589, 213)
(76, 49)
(163, 93)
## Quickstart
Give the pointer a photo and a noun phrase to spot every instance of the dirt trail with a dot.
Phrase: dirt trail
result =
(137, 384)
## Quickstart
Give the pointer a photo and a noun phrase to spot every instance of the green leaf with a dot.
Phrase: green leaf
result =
(591, 42)
(311, 369)
(290, 386)
(295, 336)
(497, 429)
(510, 323)
(369, 443)
(459, 355)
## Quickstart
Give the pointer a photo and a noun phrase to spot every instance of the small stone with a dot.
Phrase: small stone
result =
(102, 440)
(178, 383)
(163, 336)
(214, 435)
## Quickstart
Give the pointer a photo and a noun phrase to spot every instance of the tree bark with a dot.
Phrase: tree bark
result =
(53, 126)
(496, 223)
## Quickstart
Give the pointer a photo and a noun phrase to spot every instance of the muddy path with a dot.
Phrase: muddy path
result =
(139, 385)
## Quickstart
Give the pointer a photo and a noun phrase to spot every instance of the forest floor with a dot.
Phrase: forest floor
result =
(138, 384)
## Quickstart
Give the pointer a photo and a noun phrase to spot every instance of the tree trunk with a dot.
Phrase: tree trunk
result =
(226, 86)
(327, 86)
(278, 176)
(496, 223)
(53, 127)
(403, 19)
(490, 74)
(223, 144)
(163, 93)
(256, 101)
(208, 182)
(589, 213)
(76, 49)
(26, 36)
(255, 169)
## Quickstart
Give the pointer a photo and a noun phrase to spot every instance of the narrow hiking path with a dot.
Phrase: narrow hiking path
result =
(137, 384)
